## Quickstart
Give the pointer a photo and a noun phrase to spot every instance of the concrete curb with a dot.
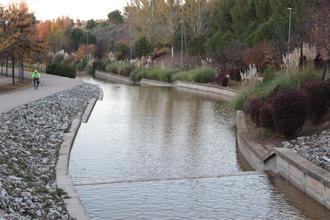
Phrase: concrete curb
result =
(113, 78)
(63, 178)
(225, 93)
(302, 173)
(149, 82)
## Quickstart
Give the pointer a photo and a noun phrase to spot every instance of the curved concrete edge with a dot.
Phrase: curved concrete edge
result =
(302, 173)
(101, 95)
(88, 111)
(207, 88)
(63, 178)
(149, 82)
(226, 94)
(113, 78)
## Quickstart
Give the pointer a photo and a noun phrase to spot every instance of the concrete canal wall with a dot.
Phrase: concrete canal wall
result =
(149, 82)
(308, 177)
(227, 93)
(113, 77)
(63, 178)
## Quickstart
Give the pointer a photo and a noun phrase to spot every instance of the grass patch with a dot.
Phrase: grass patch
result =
(153, 73)
(18, 85)
(199, 75)
(123, 69)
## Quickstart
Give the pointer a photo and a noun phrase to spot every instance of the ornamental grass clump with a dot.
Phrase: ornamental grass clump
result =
(291, 60)
(289, 110)
(316, 93)
(309, 52)
(251, 74)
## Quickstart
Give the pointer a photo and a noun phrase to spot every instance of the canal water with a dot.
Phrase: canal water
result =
(161, 153)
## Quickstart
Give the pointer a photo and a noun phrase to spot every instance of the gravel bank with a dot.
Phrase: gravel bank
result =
(315, 148)
(30, 137)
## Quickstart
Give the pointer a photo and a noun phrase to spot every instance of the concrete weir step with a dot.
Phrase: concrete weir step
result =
(167, 179)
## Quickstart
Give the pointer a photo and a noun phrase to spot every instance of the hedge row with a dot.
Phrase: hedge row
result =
(61, 70)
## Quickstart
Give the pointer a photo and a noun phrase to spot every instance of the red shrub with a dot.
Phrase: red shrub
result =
(225, 81)
(316, 93)
(265, 116)
(254, 107)
(235, 74)
(261, 55)
(289, 110)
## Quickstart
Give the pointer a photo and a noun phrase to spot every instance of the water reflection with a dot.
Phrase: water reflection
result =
(138, 135)
(154, 133)
(234, 197)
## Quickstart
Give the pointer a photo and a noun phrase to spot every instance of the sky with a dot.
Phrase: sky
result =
(75, 9)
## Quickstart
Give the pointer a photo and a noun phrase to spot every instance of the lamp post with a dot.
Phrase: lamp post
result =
(181, 23)
(289, 35)
(130, 39)
(86, 45)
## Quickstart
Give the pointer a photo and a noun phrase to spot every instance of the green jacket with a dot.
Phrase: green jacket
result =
(35, 75)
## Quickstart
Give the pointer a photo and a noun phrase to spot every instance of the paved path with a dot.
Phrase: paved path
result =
(49, 85)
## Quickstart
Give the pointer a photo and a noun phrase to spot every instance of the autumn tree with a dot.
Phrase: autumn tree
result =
(58, 38)
(157, 21)
(17, 34)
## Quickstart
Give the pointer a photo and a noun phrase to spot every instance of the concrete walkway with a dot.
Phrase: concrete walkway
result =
(49, 84)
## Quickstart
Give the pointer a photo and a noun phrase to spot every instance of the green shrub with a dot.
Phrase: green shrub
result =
(111, 68)
(61, 70)
(134, 75)
(269, 74)
(153, 73)
(80, 66)
(99, 65)
(196, 46)
(90, 70)
(142, 47)
(123, 69)
(199, 75)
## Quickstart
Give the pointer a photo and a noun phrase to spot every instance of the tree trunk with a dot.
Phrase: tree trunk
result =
(21, 75)
(1, 66)
(13, 70)
(7, 65)
(324, 71)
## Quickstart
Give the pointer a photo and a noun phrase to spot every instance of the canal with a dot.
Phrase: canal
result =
(162, 153)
